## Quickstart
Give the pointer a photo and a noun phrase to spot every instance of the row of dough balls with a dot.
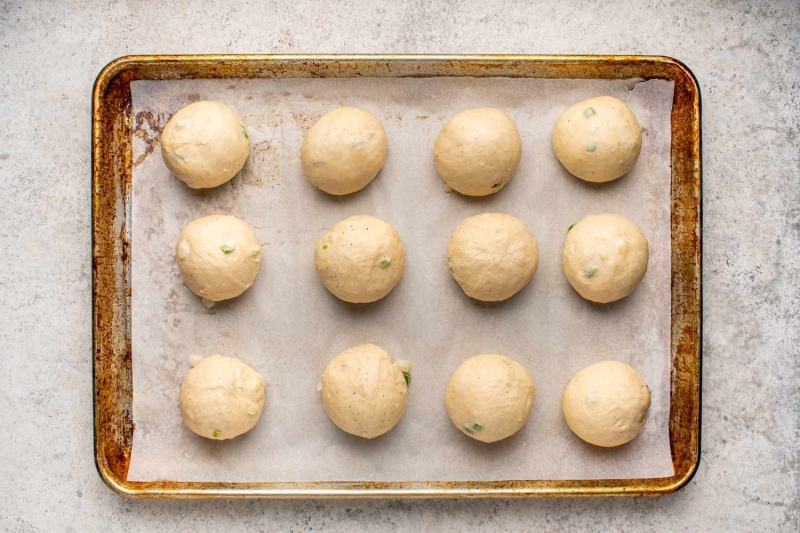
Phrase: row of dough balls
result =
(476, 152)
(361, 259)
(365, 391)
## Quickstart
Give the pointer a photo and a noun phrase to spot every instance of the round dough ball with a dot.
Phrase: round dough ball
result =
(360, 259)
(492, 256)
(205, 144)
(489, 397)
(363, 391)
(344, 150)
(478, 151)
(218, 257)
(605, 257)
(606, 403)
(598, 139)
(221, 398)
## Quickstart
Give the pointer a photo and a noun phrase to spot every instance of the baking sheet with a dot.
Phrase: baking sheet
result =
(287, 326)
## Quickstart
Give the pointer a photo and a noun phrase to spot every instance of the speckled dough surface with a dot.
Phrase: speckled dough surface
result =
(745, 56)
(363, 391)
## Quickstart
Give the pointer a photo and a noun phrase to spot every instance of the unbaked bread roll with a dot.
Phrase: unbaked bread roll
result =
(597, 139)
(606, 403)
(360, 259)
(344, 150)
(492, 256)
(489, 397)
(477, 151)
(364, 391)
(221, 398)
(218, 257)
(205, 144)
(605, 257)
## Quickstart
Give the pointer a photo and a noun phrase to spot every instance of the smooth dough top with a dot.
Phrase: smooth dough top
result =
(489, 397)
(598, 139)
(492, 256)
(218, 256)
(221, 398)
(344, 150)
(606, 403)
(363, 391)
(605, 257)
(205, 144)
(478, 151)
(360, 259)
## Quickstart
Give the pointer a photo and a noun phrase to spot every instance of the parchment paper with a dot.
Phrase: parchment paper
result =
(287, 326)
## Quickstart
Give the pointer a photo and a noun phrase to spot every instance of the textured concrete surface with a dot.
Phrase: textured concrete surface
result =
(745, 55)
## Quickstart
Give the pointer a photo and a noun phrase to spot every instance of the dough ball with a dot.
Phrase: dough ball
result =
(478, 151)
(363, 391)
(605, 257)
(492, 256)
(218, 257)
(205, 144)
(360, 259)
(597, 139)
(221, 398)
(344, 150)
(489, 397)
(606, 403)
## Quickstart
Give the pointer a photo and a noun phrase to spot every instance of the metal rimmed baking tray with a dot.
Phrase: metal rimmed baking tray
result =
(112, 177)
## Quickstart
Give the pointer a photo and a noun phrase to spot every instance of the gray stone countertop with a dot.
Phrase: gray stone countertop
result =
(745, 55)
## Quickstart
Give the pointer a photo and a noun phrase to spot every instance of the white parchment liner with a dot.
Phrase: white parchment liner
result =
(287, 326)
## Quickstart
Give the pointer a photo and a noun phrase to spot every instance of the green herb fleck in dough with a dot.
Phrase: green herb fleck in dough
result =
(246, 136)
(591, 147)
(324, 246)
(468, 429)
(385, 261)
(477, 426)
(570, 227)
(217, 433)
(407, 376)
(316, 186)
(589, 112)
(641, 418)
(590, 272)
(226, 249)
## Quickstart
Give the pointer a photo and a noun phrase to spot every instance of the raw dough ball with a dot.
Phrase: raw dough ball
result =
(605, 257)
(218, 257)
(606, 403)
(489, 397)
(363, 391)
(597, 139)
(360, 259)
(492, 256)
(205, 144)
(221, 398)
(478, 151)
(344, 150)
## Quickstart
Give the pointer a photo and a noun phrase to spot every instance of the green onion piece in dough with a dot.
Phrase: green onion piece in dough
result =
(468, 429)
(407, 376)
(217, 433)
(590, 272)
(385, 261)
(591, 147)
(246, 136)
(226, 249)
(570, 227)
(477, 426)
(589, 112)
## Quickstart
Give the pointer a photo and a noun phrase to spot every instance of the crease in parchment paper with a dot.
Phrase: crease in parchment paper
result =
(287, 326)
